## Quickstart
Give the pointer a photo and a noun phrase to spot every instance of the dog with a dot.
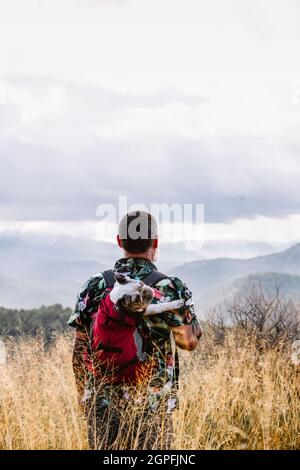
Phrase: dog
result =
(134, 297)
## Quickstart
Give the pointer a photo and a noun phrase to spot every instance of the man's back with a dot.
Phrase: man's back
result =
(138, 238)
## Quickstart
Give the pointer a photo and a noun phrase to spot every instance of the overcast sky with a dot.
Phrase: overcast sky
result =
(165, 101)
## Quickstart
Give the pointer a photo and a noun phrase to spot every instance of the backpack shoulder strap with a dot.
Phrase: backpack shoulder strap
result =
(109, 278)
(153, 278)
(176, 369)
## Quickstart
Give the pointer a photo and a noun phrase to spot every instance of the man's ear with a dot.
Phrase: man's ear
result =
(121, 278)
(155, 243)
(119, 241)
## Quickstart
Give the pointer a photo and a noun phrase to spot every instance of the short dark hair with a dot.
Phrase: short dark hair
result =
(138, 230)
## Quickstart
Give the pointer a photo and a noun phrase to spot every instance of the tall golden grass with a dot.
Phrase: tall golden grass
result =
(231, 397)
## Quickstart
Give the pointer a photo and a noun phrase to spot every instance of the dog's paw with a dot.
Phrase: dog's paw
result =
(176, 304)
(155, 309)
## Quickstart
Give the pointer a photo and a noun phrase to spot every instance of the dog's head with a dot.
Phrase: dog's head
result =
(130, 295)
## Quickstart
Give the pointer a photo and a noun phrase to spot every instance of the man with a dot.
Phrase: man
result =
(104, 404)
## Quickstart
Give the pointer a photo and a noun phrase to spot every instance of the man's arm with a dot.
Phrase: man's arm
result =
(182, 321)
(187, 336)
(80, 342)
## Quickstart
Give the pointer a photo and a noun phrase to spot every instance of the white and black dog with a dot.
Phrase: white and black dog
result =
(133, 296)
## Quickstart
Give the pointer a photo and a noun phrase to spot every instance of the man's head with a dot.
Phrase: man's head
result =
(138, 235)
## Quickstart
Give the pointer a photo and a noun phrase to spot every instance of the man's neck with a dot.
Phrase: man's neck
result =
(145, 255)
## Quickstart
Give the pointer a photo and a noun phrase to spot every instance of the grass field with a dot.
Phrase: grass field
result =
(231, 397)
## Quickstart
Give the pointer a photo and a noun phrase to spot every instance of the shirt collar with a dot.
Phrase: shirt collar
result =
(135, 266)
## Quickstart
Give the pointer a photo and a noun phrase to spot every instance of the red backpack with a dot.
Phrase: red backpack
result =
(117, 343)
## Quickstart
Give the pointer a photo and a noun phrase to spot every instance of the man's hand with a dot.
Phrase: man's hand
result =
(187, 337)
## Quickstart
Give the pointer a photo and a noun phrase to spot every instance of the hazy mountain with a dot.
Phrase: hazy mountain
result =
(208, 279)
(288, 285)
(35, 272)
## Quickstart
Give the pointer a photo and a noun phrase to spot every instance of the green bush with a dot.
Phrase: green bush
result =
(45, 320)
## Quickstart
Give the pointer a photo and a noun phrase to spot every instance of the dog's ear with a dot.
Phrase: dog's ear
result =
(121, 278)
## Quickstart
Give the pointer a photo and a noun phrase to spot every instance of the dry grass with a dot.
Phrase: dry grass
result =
(230, 398)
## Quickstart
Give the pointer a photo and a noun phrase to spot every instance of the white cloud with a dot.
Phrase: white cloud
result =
(141, 45)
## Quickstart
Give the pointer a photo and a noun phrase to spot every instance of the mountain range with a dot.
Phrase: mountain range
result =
(38, 271)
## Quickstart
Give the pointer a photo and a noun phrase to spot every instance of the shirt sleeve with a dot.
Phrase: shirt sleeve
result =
(173, 289)
(87, 301)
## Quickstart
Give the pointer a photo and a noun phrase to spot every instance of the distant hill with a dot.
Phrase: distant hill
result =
(208, 279)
